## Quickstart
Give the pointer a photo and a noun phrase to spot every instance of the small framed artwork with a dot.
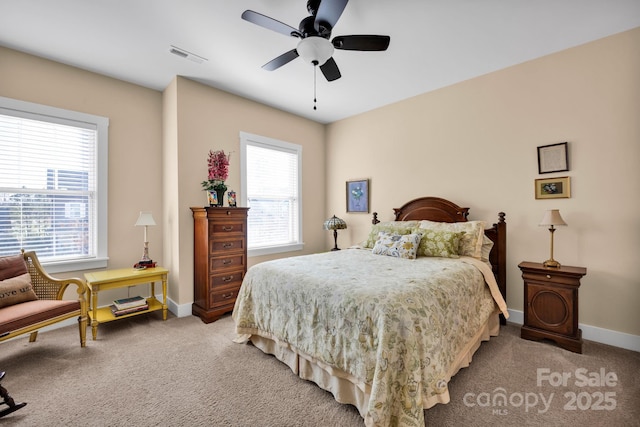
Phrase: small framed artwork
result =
(553, 188)
(553, 158)
(358, 196)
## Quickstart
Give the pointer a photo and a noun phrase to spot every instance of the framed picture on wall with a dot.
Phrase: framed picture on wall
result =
(553, 188)
(553, 158)
(358, 196)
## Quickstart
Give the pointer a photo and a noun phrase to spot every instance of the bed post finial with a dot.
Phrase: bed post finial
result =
(501, 216)
(374, 221)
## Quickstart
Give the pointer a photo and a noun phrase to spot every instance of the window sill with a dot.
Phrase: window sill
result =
(274, 250)
(75, 265)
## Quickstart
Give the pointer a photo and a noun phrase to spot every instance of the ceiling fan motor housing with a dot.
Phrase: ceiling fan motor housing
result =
(308, 28)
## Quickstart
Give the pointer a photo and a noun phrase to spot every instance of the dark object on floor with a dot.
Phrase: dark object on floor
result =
(7, 400)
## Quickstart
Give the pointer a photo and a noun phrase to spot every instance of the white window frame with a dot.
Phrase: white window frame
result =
(270, 143)
(14, 107)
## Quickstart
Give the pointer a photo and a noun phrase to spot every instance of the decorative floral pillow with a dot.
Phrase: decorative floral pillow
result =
(440, 243)
(470, 242)
(394, 227)
(396, 245)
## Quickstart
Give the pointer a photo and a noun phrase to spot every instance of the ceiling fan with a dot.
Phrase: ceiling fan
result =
(314, 32)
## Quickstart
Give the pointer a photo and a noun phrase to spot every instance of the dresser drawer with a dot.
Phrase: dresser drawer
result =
(550, 277)
(226, 245)
(227, 279)
(226, 227)
(223, 263)
(226, 296)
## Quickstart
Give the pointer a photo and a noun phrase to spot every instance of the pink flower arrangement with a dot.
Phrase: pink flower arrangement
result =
(218, 164)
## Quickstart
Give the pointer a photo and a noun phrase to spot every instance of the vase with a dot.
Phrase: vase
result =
(220, 196)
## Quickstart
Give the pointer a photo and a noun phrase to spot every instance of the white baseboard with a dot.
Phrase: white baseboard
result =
(182, 310)
(593, 333)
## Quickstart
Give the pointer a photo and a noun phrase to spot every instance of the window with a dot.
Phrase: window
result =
(53, 185)
(271, 188)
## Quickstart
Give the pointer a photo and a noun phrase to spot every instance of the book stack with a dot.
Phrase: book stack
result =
(142, 265)
(129, 305)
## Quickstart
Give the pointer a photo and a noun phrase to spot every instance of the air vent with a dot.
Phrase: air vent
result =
(187, 55)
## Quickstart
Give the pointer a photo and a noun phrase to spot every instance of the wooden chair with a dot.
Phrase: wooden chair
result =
(12, 406)
(48, 309)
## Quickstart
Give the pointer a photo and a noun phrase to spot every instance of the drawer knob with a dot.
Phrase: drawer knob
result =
(227, 262)
(227, 245)
(227, 279)
(227, 296)
(228, 228)
(548, 276)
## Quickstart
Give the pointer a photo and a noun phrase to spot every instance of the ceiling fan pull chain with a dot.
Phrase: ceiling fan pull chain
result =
(315, 72)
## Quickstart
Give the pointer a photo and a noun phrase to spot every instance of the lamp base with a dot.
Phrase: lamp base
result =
(551, 263)
(335, 249)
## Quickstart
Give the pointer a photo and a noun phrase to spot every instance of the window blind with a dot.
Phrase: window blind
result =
(273, 194)
(47, 186)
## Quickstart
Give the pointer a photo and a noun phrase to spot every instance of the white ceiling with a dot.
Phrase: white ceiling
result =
(434, 43)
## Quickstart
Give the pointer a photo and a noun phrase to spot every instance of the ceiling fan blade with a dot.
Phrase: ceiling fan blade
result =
(269, 23)
(330, 70)
(281, 60)
(361, 42)
(329, 12)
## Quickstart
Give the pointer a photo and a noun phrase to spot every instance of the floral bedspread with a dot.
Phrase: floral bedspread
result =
(394, 324)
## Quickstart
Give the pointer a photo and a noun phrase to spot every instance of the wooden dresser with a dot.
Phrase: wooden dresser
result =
(220, 259)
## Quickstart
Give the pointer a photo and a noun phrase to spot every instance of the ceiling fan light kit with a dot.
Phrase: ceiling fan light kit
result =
(315, 50)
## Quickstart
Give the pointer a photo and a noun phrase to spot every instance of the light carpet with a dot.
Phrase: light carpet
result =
(143, 371)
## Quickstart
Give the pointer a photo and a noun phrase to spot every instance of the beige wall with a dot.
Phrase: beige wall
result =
(210, 119)
(475, 144)
(135, 134)
(158, 146)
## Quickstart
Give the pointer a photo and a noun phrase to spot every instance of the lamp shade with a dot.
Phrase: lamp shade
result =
(552, 217)
(335, 223)
(145, 218)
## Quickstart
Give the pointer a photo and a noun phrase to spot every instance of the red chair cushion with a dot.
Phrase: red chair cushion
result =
(29, 313)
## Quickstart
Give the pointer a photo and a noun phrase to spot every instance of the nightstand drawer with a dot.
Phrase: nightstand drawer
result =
(550, 277)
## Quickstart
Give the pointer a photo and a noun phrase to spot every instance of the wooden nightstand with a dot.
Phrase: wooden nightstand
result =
(551, 304)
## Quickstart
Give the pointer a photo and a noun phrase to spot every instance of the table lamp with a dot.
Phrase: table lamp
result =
(334, 223)
(552, 218)
(145, 219)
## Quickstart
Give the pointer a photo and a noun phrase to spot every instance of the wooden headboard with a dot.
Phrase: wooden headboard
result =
(441, 210)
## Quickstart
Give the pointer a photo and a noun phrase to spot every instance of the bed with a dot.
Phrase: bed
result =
(376, 327)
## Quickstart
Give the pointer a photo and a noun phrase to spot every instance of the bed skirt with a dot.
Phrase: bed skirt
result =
(350, 390)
